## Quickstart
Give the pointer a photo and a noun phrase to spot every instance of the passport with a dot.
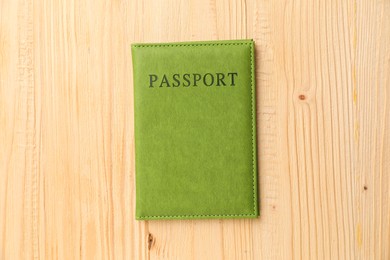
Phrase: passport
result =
(195, 130)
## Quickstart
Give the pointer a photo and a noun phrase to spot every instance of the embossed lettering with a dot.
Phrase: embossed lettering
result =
(193, 79)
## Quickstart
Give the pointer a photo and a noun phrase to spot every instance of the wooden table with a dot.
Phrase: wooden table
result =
(67, 142)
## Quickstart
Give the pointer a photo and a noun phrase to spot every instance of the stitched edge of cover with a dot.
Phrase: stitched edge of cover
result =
(254, 179)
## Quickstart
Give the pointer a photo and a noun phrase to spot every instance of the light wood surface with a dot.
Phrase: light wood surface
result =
(67, 142)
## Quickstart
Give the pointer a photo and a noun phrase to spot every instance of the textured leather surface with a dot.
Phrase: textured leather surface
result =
(195, 142)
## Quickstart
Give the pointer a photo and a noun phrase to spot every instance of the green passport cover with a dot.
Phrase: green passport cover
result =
(195, 130)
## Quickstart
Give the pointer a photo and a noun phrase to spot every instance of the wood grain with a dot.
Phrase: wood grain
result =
(67, 141)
